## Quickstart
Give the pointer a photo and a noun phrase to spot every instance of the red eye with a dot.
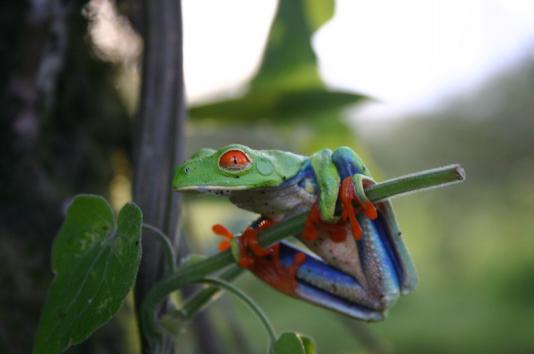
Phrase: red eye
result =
(234, 160)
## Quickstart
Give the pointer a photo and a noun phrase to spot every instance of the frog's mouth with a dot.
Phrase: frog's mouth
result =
(224, 191)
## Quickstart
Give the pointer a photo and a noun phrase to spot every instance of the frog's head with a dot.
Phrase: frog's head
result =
(236, 167)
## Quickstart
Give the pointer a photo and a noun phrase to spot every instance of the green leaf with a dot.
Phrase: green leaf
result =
(277, 105)
(95, 262)
(289, 60)
(287, 85)
(288, 343)
(309, 345)
(319, 12)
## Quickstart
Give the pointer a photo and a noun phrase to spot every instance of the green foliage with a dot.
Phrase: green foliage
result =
(95, 260)
(287, 86)
(289, 60)
(318, 12)
(293, 343)
(278, 106)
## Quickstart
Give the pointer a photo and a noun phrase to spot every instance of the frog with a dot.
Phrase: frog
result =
(350, 256)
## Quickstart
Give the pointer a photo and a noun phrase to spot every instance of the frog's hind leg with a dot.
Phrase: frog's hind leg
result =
(326, 286)
(302, 275)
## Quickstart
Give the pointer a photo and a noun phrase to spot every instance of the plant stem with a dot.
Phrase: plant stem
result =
(195, 272)
(416, 182)
(198, 301)
(246, 299)
(164, 241)
(172, 282)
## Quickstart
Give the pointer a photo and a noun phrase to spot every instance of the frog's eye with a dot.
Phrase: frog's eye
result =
(234, 160)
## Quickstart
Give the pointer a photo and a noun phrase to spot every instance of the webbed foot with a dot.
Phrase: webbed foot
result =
(221, 230)
(314, 225)
(353, 201)
(263, 262)
(247, 241)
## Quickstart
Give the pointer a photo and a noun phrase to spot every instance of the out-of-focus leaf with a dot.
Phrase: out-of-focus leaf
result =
(288, 85)
(318, 12)
(276, 105)
(289, 60)
(309, 345)
(95, 261)
(288, 343)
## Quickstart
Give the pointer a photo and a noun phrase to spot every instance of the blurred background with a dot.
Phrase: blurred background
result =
(409, 86)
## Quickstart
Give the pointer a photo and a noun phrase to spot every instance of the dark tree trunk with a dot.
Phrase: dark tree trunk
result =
(159, 134)
(160, 143)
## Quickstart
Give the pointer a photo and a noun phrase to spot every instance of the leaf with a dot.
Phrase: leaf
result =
(287, 85)
(309, 345)
(288, 343)
(289, 60)
(319, 12)
(276, 105)
(95, 262)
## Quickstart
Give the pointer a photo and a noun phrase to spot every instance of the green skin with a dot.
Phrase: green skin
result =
(264, 186)
(269, 168)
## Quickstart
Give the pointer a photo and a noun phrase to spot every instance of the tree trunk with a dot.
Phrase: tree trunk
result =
(159, 135)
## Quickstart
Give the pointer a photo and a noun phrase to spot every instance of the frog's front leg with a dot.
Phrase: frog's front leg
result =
(347, 192)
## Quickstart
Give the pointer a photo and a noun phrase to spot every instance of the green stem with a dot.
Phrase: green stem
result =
(195, 272)
(416, 182)
(185, 275)
(246, 299)
(201, 299)
(168, 249)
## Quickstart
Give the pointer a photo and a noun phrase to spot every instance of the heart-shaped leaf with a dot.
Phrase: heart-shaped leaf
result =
(95, 261)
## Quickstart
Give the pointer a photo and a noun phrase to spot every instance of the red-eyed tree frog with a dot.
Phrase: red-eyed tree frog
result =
(359, 265)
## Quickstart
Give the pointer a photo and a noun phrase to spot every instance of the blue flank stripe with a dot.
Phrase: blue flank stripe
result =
(305, 173)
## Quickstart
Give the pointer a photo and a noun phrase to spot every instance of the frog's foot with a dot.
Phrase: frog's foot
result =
(270, 270)
(314, 224)
(263, 262)
(221, 230)
(352, 193)
(249, 241)
(258, 257)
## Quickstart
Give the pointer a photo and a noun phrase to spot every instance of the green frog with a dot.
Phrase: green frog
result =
(358, 264)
